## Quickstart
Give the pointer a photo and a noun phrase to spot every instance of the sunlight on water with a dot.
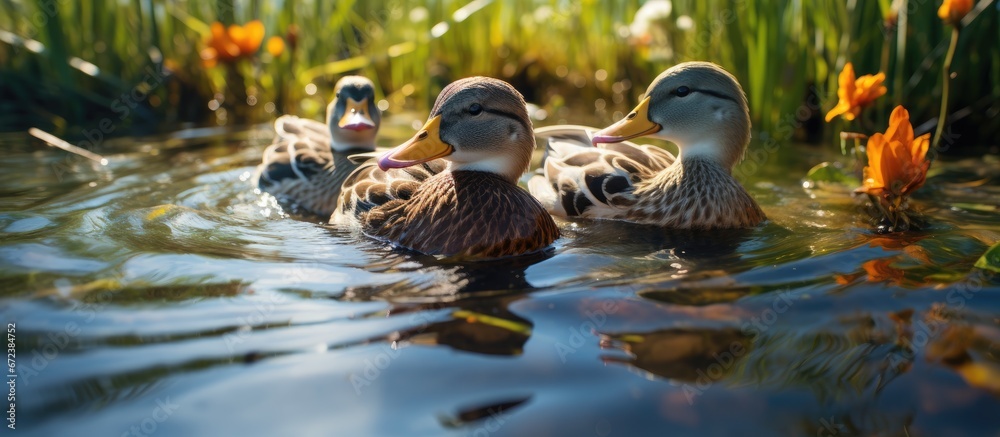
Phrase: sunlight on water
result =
(165, 287)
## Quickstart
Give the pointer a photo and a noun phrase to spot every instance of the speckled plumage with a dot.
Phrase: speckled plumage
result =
(708, 120)
(466, 204)
(694, 194)
(308, 162)
(304, 175)
(463, 213)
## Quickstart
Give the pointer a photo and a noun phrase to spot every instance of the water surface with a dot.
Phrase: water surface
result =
(162, 294)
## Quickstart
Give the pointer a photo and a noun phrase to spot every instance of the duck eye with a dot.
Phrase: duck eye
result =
(476, 109)
(682, 91)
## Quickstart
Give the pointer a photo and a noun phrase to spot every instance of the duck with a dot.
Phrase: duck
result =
(598, 174)
(451, 190)
(308, 161)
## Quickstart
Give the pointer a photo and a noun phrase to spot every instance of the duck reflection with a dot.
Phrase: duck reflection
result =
(480, 326)
(476, 295)
(629, 239)
(697, 355)
(433, 279)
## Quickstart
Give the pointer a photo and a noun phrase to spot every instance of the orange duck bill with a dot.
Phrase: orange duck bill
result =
(425, 146)
(356, 116)
(635, 124)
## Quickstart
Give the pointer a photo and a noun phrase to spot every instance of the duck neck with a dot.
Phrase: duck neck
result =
(708, 150)
(507, 167)
(344, 141)
(351, 148)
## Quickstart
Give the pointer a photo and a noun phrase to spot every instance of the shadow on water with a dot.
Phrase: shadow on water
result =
(451, 279)
(615, 238)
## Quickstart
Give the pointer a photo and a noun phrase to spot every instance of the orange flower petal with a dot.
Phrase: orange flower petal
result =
(897, 162)
(880, 270)
(254, 35)
(873, 172)
(856, 93)
(920, 147)
(898, 121)
(870, 88)
(842, 108)
(897, 168)
(229, 51)
(275, 46)
(218, 30)
(237, 33)
(953, 11)
(846, 81)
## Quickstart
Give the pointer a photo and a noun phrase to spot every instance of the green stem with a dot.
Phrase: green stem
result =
(897, 83)
(884, 66)
(946, 80)
(860, 160)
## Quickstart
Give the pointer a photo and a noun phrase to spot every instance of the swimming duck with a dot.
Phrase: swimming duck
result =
(308, 161)
(452, 189)
(696, 105)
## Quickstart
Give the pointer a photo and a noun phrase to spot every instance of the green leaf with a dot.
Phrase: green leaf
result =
(991, 259)
(831, 173)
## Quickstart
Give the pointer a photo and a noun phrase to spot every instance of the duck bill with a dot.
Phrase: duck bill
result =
(356, 116)
(635, 124)
(425, 146)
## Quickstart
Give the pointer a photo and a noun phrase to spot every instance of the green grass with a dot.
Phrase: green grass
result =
(784, 53)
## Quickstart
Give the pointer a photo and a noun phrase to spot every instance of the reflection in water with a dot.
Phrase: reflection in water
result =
(695, 295)
(184, 285)
(483, 326)
(489, 415)
(475, 295)
(449, 280)
(622, 238)
(698, 355)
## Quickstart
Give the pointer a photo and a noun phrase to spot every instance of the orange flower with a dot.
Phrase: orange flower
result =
(952, 11)
(856, 93)
(275, 46)
(896, 161)
(881, 270)
(232, 44)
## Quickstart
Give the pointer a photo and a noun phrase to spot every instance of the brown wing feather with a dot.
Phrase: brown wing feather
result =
(369, 187)
(464, 214)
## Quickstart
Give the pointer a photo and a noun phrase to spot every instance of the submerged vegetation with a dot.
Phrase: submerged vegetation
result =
(64, 66)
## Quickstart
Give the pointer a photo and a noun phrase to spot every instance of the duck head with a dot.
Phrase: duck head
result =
(478, 124)
(352, 115)
(696, 105)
